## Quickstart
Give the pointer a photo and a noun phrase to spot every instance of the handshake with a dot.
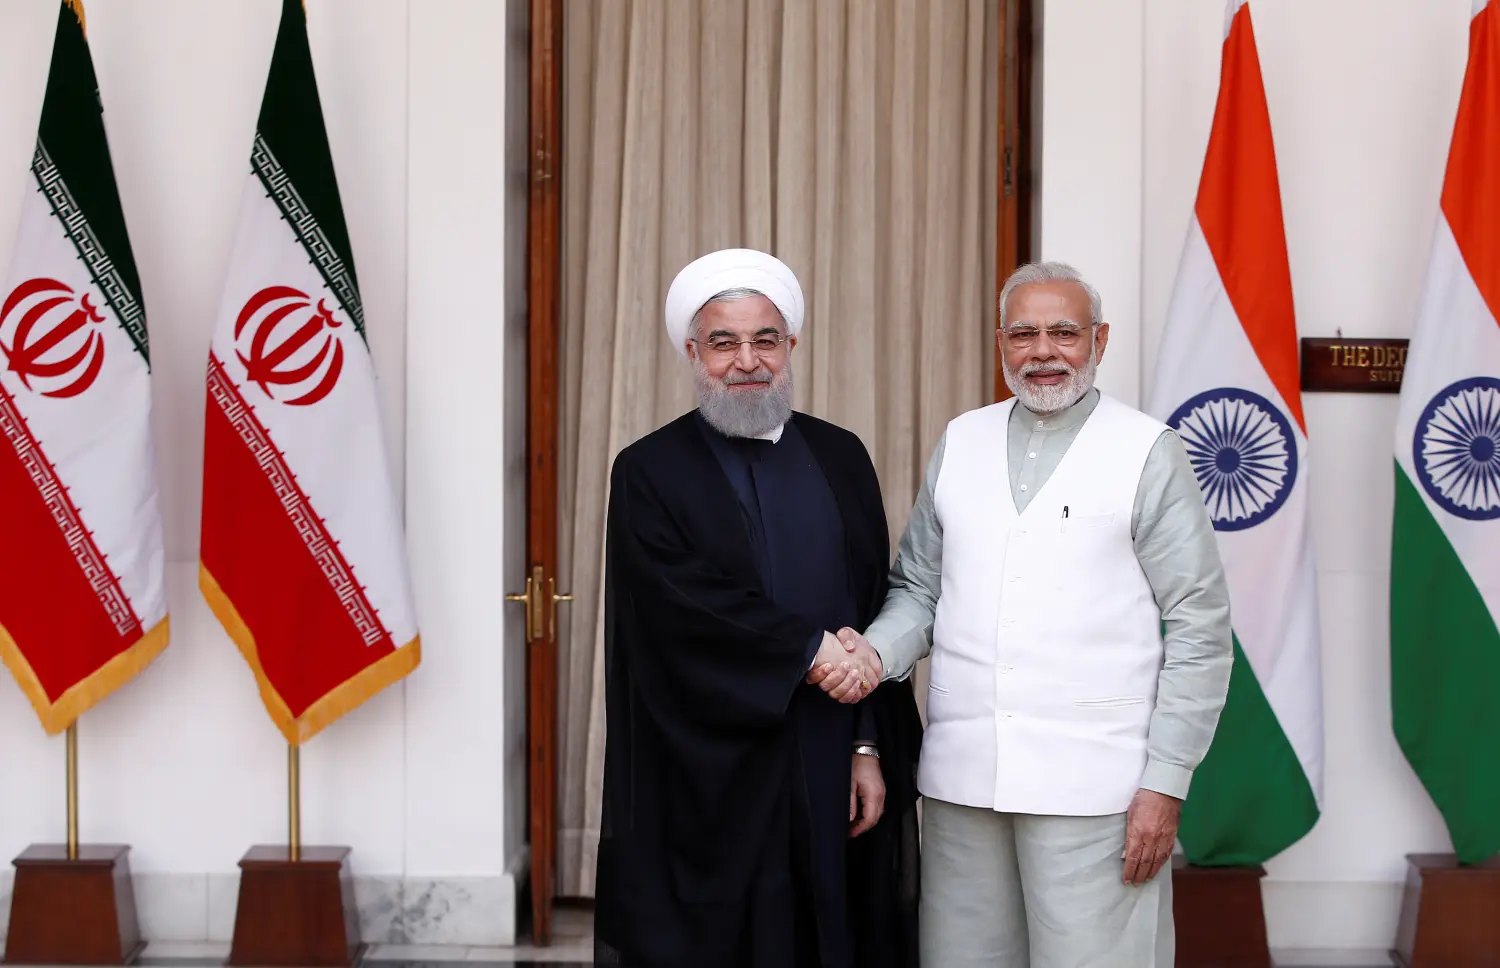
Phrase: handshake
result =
(846, 666)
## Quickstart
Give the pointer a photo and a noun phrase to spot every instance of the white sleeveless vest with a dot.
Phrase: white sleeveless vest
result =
(1047, 639)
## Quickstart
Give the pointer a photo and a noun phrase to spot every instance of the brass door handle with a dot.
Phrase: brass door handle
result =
(536, 604)
(531, 601)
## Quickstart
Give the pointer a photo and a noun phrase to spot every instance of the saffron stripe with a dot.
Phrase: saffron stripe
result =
(1239, 209)
(1471, 189)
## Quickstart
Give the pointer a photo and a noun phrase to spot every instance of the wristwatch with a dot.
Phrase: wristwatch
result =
(867, 751)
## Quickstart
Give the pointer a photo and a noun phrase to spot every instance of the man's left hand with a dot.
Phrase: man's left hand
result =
(866, 794)
(1150, 831)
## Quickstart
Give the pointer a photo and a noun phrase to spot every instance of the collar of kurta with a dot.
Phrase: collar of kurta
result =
(1069, 418)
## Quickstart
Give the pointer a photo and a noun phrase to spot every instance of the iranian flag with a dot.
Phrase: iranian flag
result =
(302, 556)
(1227, 382)
(83, 603)
(1445, 554)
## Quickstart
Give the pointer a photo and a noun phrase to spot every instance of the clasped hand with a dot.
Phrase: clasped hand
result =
(847, 667)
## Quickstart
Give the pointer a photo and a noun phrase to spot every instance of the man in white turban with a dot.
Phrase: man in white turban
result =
(749, 819)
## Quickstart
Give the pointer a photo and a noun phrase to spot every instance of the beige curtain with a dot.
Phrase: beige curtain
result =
(855, 140)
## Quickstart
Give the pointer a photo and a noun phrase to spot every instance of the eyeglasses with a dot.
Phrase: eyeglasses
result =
(764, 344)
(1064, 335)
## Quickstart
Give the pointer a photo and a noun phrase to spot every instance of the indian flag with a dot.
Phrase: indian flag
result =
(1445, 554)
(1227, 382)
(303, 558)
(83, 604)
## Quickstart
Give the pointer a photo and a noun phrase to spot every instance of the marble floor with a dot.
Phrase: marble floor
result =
(573, 946)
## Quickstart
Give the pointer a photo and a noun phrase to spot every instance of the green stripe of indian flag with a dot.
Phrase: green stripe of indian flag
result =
(1445, 554)
(1226, 381)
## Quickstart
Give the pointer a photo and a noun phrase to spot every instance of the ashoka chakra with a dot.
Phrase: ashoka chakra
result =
(1456, 450)
(1242, 450)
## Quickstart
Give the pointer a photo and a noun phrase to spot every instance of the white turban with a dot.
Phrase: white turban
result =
(716, 272)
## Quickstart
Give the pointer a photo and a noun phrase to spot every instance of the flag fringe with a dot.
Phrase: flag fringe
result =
(82, 696)
(349, 694)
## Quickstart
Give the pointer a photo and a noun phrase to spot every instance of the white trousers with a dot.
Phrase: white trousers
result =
(1002, 890)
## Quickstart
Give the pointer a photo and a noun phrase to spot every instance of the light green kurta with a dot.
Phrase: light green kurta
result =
(1175, 544)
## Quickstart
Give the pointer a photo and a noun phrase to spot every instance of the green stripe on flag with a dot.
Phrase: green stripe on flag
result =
(293, 160)
(73, 167)
(1250, 799)
(1445, 664)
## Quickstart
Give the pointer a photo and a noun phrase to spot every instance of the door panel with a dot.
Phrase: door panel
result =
(541, 597)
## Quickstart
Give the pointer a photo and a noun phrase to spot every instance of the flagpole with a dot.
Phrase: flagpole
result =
(73, 790)
(294, 806)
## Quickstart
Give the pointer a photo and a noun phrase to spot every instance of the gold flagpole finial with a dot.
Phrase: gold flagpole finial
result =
(77, 7)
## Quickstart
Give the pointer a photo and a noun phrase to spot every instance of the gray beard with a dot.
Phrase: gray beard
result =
(735, 413)
(1045, 399)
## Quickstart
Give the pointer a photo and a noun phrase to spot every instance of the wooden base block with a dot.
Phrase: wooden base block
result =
(73, 912)
(1450, 916)
(296, 913)
(1219, 916)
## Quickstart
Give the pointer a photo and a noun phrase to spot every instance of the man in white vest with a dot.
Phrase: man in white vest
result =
(1081, 649)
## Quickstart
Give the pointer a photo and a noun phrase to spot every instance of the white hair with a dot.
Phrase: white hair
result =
(1034, 273)
(733, 295)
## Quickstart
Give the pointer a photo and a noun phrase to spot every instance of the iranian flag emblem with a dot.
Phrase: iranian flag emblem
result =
(303, 558)
(82, 590)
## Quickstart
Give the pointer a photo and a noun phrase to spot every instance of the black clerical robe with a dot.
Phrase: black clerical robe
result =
(724, 836)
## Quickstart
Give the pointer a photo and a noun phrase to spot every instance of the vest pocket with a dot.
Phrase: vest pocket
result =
(1113, 702)
(1087, 522)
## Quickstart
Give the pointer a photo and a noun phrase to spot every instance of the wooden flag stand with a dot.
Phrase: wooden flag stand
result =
(1219, 916)
(1450, 915)
(296, 905)
(73, 904)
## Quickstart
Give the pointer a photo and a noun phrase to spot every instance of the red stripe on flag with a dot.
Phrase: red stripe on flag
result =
(1471, 188)
(58, 600)
(1239, 209)
(273, 559)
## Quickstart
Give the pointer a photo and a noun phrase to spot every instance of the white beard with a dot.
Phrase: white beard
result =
(1051, 399)
(736, 413)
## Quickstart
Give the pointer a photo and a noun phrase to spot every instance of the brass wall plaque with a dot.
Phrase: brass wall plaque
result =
(1353, 365)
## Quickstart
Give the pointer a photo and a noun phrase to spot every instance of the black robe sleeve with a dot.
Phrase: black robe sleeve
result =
(715, 651)
(884, 864)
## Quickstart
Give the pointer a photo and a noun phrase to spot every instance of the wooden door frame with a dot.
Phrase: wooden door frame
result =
(543, 292)
(1014, 167)
(543, 275)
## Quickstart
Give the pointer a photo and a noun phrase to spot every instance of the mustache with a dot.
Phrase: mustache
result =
(759, 376)
(1046, 369)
